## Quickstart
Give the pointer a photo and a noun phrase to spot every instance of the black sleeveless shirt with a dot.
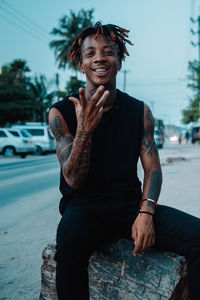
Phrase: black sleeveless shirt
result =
(115, 149)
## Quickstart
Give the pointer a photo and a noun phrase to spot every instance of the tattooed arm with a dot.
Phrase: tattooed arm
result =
(74, 152)
(151, 163)
(143, 232)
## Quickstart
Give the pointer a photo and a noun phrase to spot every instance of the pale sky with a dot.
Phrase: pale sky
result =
(159, 29)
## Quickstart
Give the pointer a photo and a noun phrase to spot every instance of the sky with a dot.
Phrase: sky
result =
(157, 65)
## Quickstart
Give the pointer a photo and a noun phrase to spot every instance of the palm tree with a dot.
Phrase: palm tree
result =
(18, 68)
(69, 27)
(43, 99)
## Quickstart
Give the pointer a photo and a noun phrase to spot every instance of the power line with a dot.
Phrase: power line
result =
(23, 29)
(26, 20)
(24, 23)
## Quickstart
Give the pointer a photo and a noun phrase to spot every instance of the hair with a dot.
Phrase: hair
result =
(112, 32)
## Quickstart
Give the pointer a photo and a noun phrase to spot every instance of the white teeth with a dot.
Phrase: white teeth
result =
(100, 70)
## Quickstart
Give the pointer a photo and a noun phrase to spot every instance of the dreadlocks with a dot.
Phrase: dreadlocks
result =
(112, 32)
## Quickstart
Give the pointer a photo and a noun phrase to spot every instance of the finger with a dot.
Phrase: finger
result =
(101, 112)
(134, 233)
(138, 245)
(134, 236)
(153, 240)
(145, 243)
(97, 95)
(74, 100)
(150, 242)
(103, 99)
(83, 100)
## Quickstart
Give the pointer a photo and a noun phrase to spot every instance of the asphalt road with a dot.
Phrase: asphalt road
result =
(29, 215)
(27, 177)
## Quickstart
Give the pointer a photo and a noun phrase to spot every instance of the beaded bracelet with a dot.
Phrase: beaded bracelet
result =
(148, 199)
(145, 212)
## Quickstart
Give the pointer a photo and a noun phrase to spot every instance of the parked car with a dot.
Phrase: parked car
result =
(195, 134)
(42, 137)
(159, 134)
(13, 141)
(159, 139)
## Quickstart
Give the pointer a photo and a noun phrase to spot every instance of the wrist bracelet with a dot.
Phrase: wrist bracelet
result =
(150, 200)
(145, 212)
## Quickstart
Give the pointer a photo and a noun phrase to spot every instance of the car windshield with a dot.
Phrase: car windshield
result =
(2, 134)
(15, 133)
(25, 133)
(36, 132)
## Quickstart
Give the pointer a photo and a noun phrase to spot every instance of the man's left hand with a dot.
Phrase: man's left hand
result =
(143, 233)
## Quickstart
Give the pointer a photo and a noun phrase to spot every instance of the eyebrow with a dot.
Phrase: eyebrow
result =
(106, 46)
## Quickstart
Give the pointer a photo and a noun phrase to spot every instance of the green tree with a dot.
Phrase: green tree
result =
(191, 114)
(73, 84)
(43, 99)
(16, 100)
(69, 27)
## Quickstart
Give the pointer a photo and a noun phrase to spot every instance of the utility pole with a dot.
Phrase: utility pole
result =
(197, 44)
(124, 85)
(196, 32)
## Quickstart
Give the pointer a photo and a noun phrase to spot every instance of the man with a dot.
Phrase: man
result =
(100, 133)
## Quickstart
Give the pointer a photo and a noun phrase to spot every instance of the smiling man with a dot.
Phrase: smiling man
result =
(101, 133)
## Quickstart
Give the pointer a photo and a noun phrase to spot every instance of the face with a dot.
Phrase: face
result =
(100, 61)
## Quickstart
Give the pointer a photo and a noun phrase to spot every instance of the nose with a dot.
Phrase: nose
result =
(99, 57)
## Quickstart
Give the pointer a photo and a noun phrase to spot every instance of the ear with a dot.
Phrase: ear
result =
(81, 67)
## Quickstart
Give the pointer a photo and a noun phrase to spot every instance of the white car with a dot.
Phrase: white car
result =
(13, 141)
(42, 137)
(159, 138)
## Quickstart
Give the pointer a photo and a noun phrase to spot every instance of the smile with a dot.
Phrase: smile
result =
(101, 71)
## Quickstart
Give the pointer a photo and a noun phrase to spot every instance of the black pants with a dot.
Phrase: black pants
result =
(85, 227)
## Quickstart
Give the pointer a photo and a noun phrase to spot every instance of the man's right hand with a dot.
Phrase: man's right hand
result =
(89, 113)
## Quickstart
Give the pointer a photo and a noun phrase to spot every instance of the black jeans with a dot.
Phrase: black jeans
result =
(86, 227)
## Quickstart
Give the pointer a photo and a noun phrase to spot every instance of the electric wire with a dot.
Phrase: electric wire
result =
(23, 29)
(27, 21)
(23, 25)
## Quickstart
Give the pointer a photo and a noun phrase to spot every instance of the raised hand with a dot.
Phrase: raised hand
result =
(89, 111)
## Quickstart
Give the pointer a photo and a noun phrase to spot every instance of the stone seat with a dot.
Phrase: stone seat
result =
(114, 274)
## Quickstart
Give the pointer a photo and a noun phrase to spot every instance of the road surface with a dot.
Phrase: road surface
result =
(29, 211)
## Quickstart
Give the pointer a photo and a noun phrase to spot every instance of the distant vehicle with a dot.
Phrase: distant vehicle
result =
(15, 142)
(41, 135)
(195, 134)
(159, 134)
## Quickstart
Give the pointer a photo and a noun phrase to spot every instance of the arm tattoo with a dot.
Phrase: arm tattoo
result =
(56, 126)
(77, 167)
(152, 186)
(148, 143)
(73, 153)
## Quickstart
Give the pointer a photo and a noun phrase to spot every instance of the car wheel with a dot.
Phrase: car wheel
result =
(9, 152)
(38, 150)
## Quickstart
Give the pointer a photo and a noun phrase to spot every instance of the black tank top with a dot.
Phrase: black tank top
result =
(114, 151)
